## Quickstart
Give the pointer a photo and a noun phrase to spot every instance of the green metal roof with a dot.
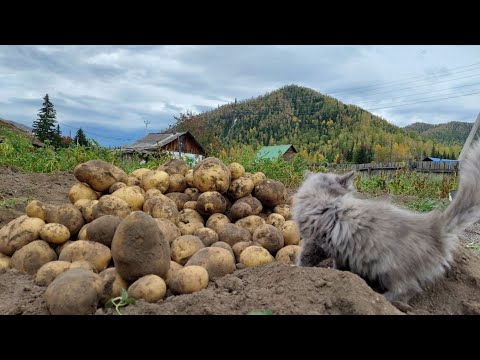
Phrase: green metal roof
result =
(271, 152)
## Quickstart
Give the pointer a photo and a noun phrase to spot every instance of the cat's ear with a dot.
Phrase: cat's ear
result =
(347, 179)
(307, 174)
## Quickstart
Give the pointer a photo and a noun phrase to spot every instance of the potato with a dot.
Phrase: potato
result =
(174, 166)
(187, 216)
(177, 183)
(217, 221)
(184, 247)
(133, 181)
(74, 292)
(190, 228)
(254, 256)
(271, 193)
(87, 211)
(192, 205)
(95, 253)
(37, 209)
(67, 215)
(189, 178)
(60, 247)
(151, 288)
(211, 174)
(113, 284)
(49, 271)
(155, 179)
(290, 233)
(276, 220)
(152, 193)
(189, 280)
(207, 236)
(269, 237)
(179, 198)
(288, 254)
(54, 233)
(162, 207)
(258, 178)
(239, 210)
(192, 192)
(254, 203)
(18, 233)
(81, 203)
(83, 264)
(239, 247)
(4, 261)
(98, 174)
(138, 173)
(116, 186)
(240, 187)
(174, 266)
(224, 245)
(211, 202)
(216, 260)
(111, 205)
(32, 257)
(250, 223)
(236, 169)
(102, 229)
(232, 234)
(284, 210)
(139, 248)
(82, 234)
(81, 191)
(170, 230)
(132, 195)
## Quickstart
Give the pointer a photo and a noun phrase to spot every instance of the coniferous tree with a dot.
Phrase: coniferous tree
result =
(44, 126)
(80, 138)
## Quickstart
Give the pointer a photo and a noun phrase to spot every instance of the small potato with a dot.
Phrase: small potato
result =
(239, 247)
(49, 271)
(67, 215)
(189, 280)
(174, 166)
(192, 205)
(111, 205)
(288, 254)
(240, 187)
(87, 211)
(236, 169)
(194, 193)
(74, 292)
(284, 210)
(83, 264)
(232, 234)
(36, 209)
(258, 178)
(254, 256)
(156, 179)
(169, 230)
(4, 261)
(269, 237)
(211, 202)
(184, 247)
(116, 186)
(217, 221)
(152, 193)
(179, 198)
(223, 245)
(138, 173)
(81, 203)
(290, 233)
(187, 216)
(177, 183)
(151, 288)
(54, 233)
(216, 260)
(161, 207)
(60, 247)
(189, 178)
(173, 268)
(132, 195)
(82, 234)
(95, 253)
(253, 202)
(276, 220)
(32, 257)
(102, 229)
(81, 191)
(271, 193)
(113, 284)
(250, 223)
(133, 181)
(190, 228)
(207, 236)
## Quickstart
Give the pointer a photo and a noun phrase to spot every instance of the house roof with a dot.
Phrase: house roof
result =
(429, 158)
(271, 152)
(151, 141)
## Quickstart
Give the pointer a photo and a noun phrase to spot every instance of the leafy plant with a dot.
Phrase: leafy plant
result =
(120, 301)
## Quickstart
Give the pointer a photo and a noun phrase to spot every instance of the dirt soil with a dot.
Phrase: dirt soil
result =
(277, 287)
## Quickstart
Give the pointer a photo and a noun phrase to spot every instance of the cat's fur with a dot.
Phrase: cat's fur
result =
(400, 250)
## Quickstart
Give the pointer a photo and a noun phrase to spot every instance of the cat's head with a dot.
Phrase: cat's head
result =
(336, 185)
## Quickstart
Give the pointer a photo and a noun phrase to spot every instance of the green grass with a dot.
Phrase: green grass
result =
(11, 202)
(426, 205)
(260, 312)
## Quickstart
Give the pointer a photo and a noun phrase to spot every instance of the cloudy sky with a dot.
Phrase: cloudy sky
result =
(110, 91)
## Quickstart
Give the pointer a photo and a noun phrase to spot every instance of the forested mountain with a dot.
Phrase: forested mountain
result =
(321, 128)
(452, 133)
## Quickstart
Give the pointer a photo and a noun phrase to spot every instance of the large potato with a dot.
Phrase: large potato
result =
(253, 202)
(170, 230)
(211, 174)
(111, 205)
(54, 233)
(113, 284)
(150, 288)
(174, 266)
(81, 191)
(189, 178)
(271, 193)
(4, 261)
(60, 247)
(37, 209)
(138, 173)
(132, 195)
(174, 166)
(284, 210)
(67, 215)
(87, 210)
(162, 207)
(189, 280)
(254, 256)
(156, 179)
(207, 236)
(239, 210)
(290, 233)
(240, 187)
(102, 229)
(250, 223)
(32, 257)
(211, 202)
(139, 248)
(288, 254)
(236, 170)
(217, 221)
(232, 234)
(18, 233)
(49, 271)
(99, 175)
(75, 292)
(179, 198)
(217, 261)
(82, 234)
(269, 237)
(95, 253)
(177, 183)
(184, 247)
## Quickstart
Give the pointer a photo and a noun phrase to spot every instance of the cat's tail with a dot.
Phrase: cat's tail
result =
(464, 210)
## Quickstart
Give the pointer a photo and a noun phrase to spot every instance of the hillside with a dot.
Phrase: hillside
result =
(19, 129)
(452, 133)
(321, 127)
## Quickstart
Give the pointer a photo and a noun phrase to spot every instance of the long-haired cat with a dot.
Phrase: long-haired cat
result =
(400, 250)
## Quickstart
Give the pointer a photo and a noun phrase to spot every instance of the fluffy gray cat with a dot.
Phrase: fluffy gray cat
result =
(400, 250)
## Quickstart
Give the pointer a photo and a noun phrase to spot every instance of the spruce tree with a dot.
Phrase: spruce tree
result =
(44, 126)
(80, 138)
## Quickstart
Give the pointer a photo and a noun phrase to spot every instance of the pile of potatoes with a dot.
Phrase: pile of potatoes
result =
(153, 231)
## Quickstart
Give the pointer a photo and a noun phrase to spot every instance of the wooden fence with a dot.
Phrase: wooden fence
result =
(390, 167)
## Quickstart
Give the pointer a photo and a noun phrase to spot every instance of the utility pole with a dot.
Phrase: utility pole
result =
(470, 137)
(146, 126)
